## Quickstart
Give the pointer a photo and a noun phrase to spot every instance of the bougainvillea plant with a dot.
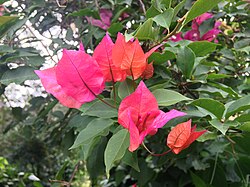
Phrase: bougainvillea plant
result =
(80, 78)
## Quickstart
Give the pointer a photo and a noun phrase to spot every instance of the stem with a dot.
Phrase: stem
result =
(114, 92)
(174, 31)
(133, 79)
(143, 7)
(155, 154)
(41, 43)
(215, 164)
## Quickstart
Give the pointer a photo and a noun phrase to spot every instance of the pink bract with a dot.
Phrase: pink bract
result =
(105, 21)
(139, 113)
(76, 79)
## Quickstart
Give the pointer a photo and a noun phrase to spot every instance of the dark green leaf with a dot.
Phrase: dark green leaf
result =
(152, 12)
(185, 60)
(165, 18)
(18, 75)
(100, 109)
(125, 88)
(168, 97)
(200, 7)
(202, 48)
(223, 127)
(95, 162)
(198, 182)
(131, 160)
(213, 106)
(86, 12)
(94, 129)
(146, 31)
(239, 105)
(178, 7)
(245, 126)
(159, 58)
(116, 148)
(115, 28)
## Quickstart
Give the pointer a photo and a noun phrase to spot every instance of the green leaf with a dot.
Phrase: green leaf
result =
(146, 31)
(245, 126)
(59, 174)
(178, 7)
(131, 160)
(202, 48)
(239, 105)
(213, 106)
(94, 129)
(223, 127)
(165, 18)
(100, 109)
(217, 76)
(86, 12)
(166, 3)
(197, 181)
(95, 163)
(115, 28)
(185, 60)
(225, 88)
(18, 75)
(200, 7)
(6, 19)
(125, 88)
(116, 148)
(152, 12)
(166, 97)
(159, 58)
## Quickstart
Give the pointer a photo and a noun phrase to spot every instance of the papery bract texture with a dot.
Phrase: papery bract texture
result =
(139, 113)
(105, 21)
(130, 57)
(48, 79)
(181, 136)
(148, 72)
(103, 56)
(79, 75)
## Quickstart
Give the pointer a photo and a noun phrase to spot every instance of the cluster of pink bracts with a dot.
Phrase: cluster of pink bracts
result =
(79, 78)
(194, 33)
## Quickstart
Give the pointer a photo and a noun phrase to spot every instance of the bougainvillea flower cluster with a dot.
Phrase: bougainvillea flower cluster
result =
(140, 114)
(194, 33)
(79, 78)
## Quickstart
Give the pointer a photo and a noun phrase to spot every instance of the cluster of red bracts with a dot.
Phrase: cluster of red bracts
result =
(79, 78)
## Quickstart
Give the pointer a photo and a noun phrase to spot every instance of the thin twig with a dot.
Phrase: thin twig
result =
(65, 183)
(61, 6)
(40, 42)
(173, 32)
(155, 154)
(214, 169)
(73, 174)
(142, 7)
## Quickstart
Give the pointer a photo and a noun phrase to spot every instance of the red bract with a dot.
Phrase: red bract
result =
(130, 57)
(181, 136)
(77, 77)
(103, 56)
(139, 113)
(148, 72)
